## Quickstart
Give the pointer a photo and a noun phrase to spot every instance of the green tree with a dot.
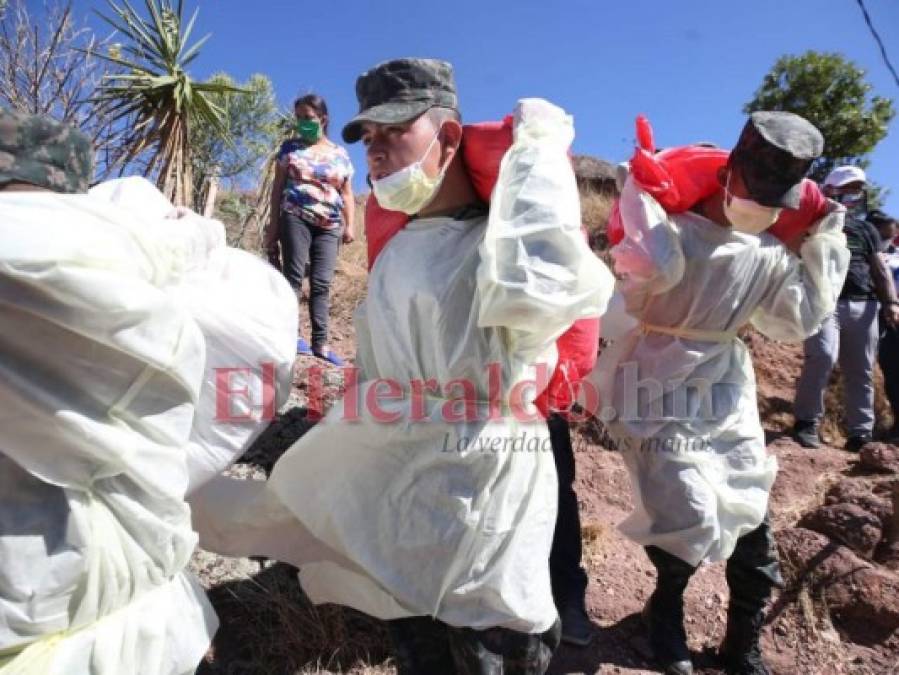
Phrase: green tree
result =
(155, 97)
(250, 122)
(832, 93)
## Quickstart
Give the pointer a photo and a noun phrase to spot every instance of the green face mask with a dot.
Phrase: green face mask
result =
(309, 130)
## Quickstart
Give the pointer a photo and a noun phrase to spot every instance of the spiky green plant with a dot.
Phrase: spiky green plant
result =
(155, 95)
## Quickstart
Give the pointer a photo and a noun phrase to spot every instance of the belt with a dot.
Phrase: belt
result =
(690, 333)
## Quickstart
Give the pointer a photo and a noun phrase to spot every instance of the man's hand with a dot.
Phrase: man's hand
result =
(891, 315)
(273, 254)
(270, 236)
(349, 236)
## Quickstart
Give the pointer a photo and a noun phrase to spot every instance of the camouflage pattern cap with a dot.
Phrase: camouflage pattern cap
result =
(774, 152)
(38, 150)
(400, 90)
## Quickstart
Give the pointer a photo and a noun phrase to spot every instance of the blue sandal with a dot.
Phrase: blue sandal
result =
(330, 356)
(303, 348)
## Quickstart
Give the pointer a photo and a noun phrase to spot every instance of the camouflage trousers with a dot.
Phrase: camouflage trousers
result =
(425, 646)
(752, 570)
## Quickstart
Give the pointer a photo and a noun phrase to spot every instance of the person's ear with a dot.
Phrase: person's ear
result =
(452, 141)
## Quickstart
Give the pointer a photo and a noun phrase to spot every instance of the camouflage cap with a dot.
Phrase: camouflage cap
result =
(39, 150)
(401, 90)
(774, 152)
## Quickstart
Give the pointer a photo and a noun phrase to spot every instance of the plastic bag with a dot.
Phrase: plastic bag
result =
(117, 320)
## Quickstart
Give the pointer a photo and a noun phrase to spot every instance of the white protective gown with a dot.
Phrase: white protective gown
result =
(113, 321)
(452, 519)
(677, 389)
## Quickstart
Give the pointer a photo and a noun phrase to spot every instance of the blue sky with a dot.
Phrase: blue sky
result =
(688, 65)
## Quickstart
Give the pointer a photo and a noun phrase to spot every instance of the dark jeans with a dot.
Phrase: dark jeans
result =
(888, 357)
(752, 571)
(302, 243)
(569, 581)
(425, 646)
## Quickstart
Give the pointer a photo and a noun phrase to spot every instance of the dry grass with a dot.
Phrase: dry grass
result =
(269, 627)
(595, 209)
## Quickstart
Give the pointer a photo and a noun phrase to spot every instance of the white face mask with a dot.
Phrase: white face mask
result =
(746, 215)
(410, 189)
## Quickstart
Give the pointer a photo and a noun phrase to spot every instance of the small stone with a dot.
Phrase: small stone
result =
(880, 457)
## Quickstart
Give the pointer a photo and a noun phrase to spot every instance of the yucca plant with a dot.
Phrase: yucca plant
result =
(154, 95)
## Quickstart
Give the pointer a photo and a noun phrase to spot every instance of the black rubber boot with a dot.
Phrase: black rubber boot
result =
(753, 571)
(741, 651)
(577, 629)
(664, 612)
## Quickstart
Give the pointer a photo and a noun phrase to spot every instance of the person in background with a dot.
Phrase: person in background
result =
(312, 211)
(850, 333)
(888, 350)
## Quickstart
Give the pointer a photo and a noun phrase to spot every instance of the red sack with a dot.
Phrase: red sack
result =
(380, 226)
(615, 228)
(483, 147)
(679, 178)
(578, 350)
(792, 223)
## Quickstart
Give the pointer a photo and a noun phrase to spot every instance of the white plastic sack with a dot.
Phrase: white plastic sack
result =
(432, 516)
(686, 418)
(114, 319)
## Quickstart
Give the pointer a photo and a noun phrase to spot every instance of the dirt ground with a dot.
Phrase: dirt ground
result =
(268, 626)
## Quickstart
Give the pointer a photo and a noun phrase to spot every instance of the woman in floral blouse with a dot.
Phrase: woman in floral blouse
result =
(312, 211)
